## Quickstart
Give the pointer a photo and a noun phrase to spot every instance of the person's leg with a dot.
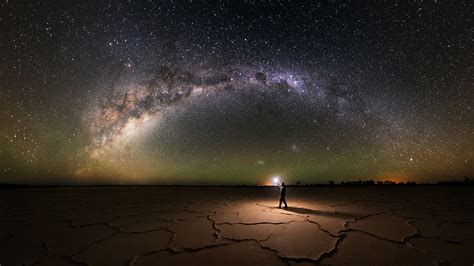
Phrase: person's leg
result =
(279, 206)
(284, 201)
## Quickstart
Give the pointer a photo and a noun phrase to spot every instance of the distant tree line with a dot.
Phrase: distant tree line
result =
(360, 183)
(374, 183)
(466, 181)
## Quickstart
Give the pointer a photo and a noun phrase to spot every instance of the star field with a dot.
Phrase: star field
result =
(228, 93)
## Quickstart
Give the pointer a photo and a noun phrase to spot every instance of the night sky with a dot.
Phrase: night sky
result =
(232, 92)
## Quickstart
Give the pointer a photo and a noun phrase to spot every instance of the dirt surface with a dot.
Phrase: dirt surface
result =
(237, 226)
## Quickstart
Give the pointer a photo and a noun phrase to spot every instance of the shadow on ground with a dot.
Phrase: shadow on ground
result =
(300, 210)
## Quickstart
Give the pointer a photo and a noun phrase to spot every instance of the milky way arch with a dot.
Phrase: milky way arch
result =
(133, 106)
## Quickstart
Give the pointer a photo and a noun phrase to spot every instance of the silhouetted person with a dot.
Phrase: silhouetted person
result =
(282, 195)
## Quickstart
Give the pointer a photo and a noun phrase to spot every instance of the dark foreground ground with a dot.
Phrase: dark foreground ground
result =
(237, 226)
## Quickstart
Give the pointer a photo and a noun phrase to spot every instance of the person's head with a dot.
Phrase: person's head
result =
(282, 184)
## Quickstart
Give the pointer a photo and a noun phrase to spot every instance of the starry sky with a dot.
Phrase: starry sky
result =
(235, 92)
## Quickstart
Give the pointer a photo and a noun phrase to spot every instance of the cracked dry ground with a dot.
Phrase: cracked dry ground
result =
(237, 226)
